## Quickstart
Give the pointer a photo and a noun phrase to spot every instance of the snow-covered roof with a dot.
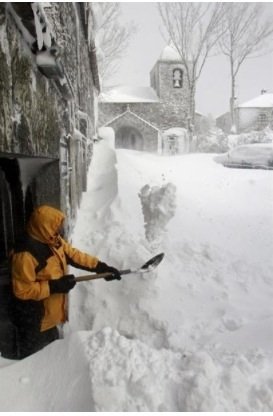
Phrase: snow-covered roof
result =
(135, 115)
(128, 94)
(262, 101)
(177, 131)
(169, 53)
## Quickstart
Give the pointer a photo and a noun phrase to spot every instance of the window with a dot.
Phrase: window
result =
(177, 78)
(262, 120)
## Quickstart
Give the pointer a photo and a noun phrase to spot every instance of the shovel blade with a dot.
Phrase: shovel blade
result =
(151, 264)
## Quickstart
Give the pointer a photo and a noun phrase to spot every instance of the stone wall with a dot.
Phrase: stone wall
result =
(35, 115)
(48, 96)
(30, 109)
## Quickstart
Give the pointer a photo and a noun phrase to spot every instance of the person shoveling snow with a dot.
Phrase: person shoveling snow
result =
(41, 281)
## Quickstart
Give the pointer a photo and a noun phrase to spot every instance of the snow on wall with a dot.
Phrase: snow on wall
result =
(42, 26)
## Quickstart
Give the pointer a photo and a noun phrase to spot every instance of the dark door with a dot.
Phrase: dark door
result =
(7, 332)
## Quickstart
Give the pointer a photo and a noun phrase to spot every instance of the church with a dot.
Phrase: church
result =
(155, 118)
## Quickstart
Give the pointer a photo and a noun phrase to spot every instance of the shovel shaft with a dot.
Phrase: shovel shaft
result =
(147, 267)
(87, 277)
(93, 276)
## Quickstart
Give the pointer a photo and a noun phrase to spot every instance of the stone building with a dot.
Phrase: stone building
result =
(140, 115)
(255, 114)
(48, 104)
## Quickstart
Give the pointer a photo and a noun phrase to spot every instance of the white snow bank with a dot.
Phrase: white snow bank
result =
(106, 372)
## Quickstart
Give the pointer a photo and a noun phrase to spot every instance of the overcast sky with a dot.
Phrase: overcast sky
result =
(213, 88)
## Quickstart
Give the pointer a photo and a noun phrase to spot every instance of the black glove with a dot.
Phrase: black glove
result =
(104, 268)
(62, 285)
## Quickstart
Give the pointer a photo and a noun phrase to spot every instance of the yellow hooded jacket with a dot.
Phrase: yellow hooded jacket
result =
(44, 226)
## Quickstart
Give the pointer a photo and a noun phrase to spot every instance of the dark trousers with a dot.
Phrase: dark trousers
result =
(30, 340)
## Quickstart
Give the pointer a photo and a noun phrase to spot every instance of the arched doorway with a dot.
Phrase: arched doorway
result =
(128, 137)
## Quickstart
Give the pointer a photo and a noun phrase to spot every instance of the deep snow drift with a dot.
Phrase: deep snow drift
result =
(193, 335)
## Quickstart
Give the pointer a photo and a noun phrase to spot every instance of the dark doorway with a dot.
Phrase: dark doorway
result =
(11, 226)
(128, 137)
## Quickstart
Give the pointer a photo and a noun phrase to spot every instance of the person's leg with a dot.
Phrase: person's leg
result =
(46, 337)
(31, 340)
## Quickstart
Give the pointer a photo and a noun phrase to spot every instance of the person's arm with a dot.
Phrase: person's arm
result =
(80, 260)
(24, 283)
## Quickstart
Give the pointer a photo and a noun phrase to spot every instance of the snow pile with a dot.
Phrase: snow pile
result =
(104, 371)
(158, 206)
(135, 377)
(262, 136)
(132, 376)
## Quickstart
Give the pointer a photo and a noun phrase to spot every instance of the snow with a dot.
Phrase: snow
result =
(128, 94)
(262, 101)
(169, 53)
(193, 335)
(256, 154)
(45, 58)
(42, 26)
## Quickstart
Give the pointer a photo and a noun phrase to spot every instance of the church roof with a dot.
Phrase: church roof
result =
(262, 101)
(128, 94)
(128, 111)
(169, 53)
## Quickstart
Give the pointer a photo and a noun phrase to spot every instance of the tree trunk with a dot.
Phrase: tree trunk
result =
(191, 117)
(232, 98)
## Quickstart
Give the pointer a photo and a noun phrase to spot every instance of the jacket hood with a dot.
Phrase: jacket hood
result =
(44, 224)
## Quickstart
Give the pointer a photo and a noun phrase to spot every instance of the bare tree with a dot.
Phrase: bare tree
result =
(246, 35)
(112, 36)
(193, 29)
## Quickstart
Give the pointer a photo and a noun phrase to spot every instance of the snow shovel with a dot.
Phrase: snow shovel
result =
(149, 266)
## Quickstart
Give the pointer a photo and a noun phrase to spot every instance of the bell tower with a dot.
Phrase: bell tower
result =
(168, 79)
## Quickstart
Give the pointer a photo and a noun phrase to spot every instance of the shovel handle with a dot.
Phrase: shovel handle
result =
(93, 276)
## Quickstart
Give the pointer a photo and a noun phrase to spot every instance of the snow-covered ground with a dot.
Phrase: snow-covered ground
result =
(193, 335)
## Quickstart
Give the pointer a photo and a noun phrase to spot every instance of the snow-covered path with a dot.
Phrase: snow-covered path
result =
(195, 334)
(216, 276)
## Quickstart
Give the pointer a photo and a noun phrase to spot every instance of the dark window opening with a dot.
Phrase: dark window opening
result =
(177, 78)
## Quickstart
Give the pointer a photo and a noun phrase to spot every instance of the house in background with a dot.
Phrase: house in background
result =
(48, 93)
(140, 115)
(255, 114)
